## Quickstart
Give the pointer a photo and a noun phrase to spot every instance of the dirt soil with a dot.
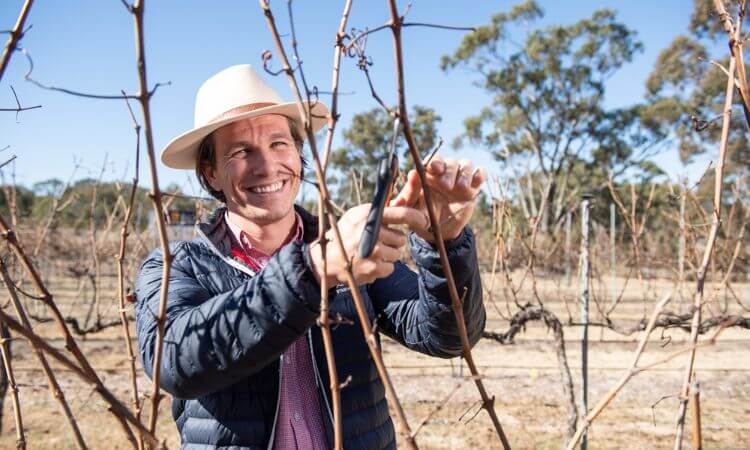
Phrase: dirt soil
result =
(523, 377)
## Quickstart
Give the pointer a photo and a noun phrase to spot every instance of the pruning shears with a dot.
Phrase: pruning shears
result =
(387, 174)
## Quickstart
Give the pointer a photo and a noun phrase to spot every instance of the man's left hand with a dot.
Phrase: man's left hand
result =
(454, 186)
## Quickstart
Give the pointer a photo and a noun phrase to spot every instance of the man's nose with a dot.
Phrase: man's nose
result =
(262, 163)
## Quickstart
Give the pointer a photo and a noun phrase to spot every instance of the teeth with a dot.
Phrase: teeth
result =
(268, 188)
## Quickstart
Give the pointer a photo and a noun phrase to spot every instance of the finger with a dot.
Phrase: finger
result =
(436, 167)
(368, 270)
(479, 177)
(448, 179)
(355, 214)
(410, 192)
(385, 253)
(364, 268)
(391, 237)
(384, 269)
(463, 177)
(403, 215)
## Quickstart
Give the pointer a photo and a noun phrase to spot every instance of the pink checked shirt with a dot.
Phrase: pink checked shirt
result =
(299, 424)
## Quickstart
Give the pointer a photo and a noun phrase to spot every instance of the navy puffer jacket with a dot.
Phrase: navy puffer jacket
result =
(226, 328)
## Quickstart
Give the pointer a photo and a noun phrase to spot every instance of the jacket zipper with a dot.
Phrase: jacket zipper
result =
(318, 383)
(318, 379)
(239, 266)
(278, 404)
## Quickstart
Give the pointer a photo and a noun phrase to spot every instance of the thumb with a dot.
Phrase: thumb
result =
(410, 192)
(398, 201)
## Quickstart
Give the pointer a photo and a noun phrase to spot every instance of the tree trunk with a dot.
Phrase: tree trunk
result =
(545, 215)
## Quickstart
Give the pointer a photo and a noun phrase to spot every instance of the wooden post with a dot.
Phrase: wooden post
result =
(584, 310)
(568, 219)
(612, 245)
(696, 400)
(681, 248)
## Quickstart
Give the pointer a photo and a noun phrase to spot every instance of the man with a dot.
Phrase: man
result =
(243, 358)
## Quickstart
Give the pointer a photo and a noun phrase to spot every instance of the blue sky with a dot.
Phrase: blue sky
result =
(87, 45)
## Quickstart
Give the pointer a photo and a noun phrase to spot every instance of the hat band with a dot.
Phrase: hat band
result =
(239, 110)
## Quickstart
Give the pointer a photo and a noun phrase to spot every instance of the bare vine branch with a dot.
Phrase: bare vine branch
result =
(143, 98)
(324, 319)
(713, 233)
(13, 388)
(487, 401)
(121, 96)
(15, 35)
(54, 386)
(48, 299)
(607, 399)
(305, 112)
(120, 258)
(18, 107)
(117, 408)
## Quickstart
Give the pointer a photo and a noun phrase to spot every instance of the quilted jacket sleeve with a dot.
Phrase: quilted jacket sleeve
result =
(214, 341)
(415, 309)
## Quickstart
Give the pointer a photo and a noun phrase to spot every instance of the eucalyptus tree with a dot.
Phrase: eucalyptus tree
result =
(546, 118)
(367, 141)
(686, 90)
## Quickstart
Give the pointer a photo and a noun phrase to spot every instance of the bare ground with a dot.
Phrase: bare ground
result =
(523, 377)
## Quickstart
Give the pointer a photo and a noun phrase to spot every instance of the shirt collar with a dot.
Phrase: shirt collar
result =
(244, 240)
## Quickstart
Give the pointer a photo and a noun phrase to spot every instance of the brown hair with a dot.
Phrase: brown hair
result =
(207, 158)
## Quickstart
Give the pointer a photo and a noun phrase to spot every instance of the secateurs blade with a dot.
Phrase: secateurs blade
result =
(387, 174)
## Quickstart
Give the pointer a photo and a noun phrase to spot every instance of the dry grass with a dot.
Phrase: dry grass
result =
(524, 378)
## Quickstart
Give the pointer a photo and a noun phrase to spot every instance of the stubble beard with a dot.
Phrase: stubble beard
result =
(262, 215)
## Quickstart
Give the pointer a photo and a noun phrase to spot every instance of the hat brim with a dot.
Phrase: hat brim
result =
(182, 151)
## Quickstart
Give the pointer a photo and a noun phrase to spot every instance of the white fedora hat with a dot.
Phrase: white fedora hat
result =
(235, 93)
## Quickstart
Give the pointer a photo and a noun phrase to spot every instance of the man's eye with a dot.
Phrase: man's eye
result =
(239, 153)
(279, 144)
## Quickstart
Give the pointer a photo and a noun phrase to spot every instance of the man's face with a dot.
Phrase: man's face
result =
(257, 168)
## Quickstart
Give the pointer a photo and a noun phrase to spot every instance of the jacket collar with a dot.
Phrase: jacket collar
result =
(216, 233)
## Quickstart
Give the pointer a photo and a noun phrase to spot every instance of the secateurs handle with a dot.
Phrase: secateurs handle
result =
(383, 189)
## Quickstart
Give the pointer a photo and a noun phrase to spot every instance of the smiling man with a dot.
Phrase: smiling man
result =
(242, 356)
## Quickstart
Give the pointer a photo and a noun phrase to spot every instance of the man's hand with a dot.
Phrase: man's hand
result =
(386, 252)
(454, 186)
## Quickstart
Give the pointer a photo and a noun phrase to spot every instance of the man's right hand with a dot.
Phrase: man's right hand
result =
(386, 252)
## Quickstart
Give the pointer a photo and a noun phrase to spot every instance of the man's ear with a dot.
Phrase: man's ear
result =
(209, 172)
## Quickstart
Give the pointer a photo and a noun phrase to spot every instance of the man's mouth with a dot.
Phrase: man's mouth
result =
(268, 188)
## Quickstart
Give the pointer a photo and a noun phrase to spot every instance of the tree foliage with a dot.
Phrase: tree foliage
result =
(367, 142)
(547, 99)
(74, 202)
(686, 90)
